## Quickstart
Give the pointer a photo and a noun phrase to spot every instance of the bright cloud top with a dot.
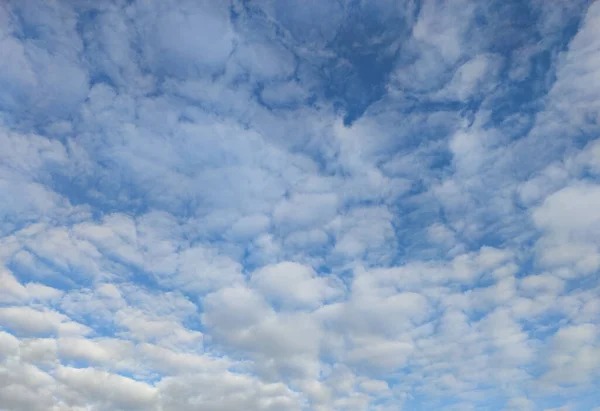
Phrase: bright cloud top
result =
(299, 205)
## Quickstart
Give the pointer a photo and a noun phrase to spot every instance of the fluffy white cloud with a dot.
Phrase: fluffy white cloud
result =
(108, 390)
(306, 210)
(226, 392)
(184, 39)
(573, 355)
(29, 321)
(570, 221)
(294, 285)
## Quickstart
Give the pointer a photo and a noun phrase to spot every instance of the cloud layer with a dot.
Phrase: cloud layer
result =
(279, 205)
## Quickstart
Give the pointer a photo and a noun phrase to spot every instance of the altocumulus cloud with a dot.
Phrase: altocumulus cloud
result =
(299, 205)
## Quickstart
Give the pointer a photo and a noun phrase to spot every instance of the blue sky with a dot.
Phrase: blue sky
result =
(299, 205)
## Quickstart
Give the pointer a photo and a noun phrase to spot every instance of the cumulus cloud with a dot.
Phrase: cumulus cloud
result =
(569, 221)
(275, 205)
(294, 285)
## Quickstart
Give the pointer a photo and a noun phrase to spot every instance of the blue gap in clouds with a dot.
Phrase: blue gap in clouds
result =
(53, 275)
(358, 77)
(84, 19)
(425, 402)
(99, 77)
(76, 190)
(543, 326)
(523, 95)
(581, 401)
(25, 29)
(519, 30)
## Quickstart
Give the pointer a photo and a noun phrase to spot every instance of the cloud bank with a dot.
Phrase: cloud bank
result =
(280, 205)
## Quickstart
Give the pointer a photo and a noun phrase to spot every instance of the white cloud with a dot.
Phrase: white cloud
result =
(226, 392)
(575, 92)
(62, 84)
(570, 213)
(542, 283)
(30, 321)
(472, 79)
(573, 355)
(570, 222)
(250, 226)
(306, 210)
(25, 387)
(102, 352)
(284, 93)
(364, 233)
(108, 390)
(374, 386)
(381, 355)
(241, 319)
(520, 404)
(8, 344)
(13, 290)
(294, 285)
(38, 351)
(185, 39)
(438, 40)
(142, 328)
(266, 60)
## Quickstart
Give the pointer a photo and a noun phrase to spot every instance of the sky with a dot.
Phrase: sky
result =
(273, 205)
